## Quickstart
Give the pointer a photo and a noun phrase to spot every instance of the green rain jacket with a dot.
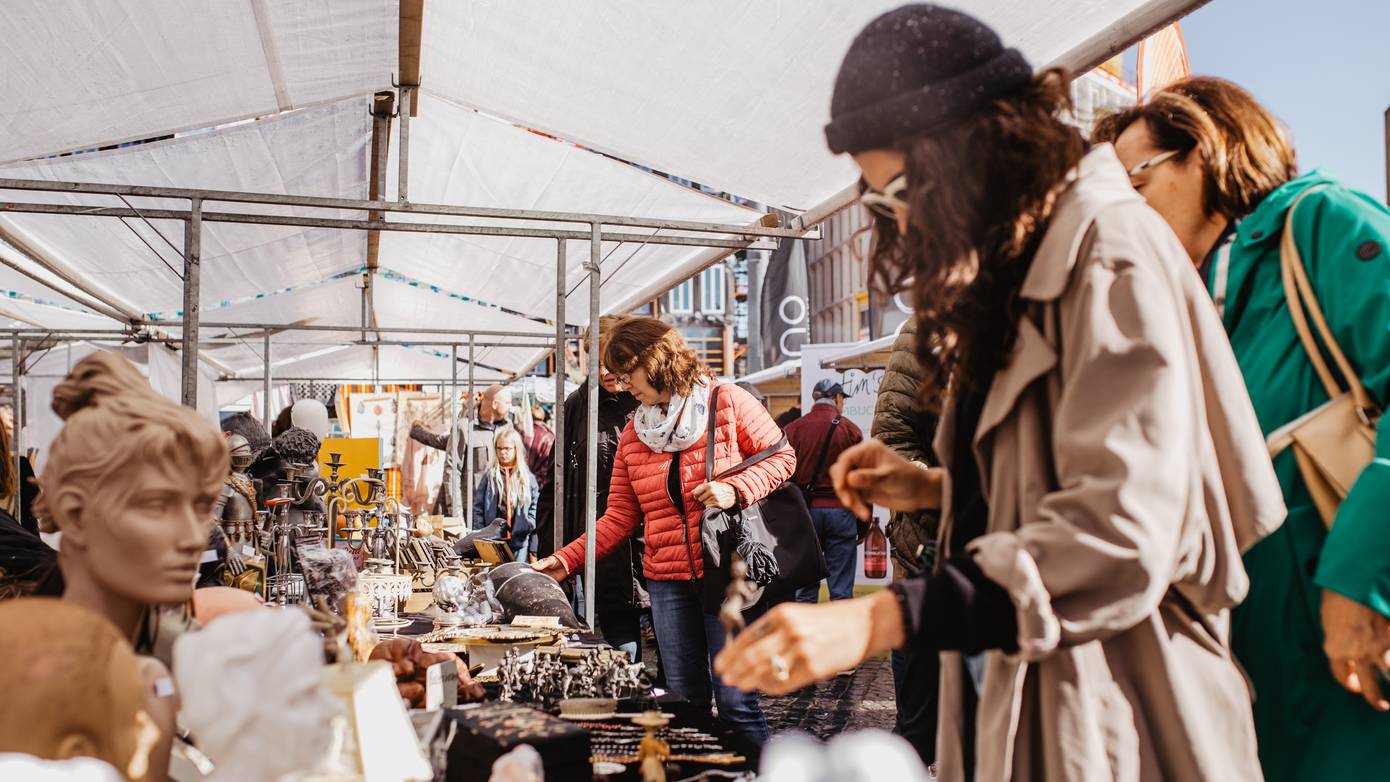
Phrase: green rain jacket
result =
(1309, 728)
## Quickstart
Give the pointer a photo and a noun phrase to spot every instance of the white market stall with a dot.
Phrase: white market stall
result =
(310, 218)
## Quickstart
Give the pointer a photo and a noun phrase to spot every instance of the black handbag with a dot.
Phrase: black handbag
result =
(774, 535)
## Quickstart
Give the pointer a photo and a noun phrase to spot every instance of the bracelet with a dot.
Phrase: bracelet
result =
(900, 595)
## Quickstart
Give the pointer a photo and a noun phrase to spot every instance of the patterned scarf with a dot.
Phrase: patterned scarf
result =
(678, 427)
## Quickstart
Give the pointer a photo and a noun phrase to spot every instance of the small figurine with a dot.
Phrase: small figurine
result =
(740, 594)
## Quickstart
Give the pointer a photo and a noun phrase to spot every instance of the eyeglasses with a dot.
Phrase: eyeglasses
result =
(884, 202)
(1156, 160)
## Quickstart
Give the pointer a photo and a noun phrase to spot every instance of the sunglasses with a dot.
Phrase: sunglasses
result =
(1156, 160)
(885, 202)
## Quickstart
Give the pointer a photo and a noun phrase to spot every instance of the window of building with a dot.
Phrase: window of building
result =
(680, 297)
(712, 290)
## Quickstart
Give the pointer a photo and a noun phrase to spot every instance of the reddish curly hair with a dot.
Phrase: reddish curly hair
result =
(659, 349)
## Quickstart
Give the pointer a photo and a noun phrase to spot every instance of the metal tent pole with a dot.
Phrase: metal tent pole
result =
(468, 443)
(557, 483)
(591, 457)
(406, 99)
(192, 270)
(265, 383)
(16, 362)
(451, 488)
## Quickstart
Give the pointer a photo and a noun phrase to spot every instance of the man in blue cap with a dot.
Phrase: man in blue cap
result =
(819, 437)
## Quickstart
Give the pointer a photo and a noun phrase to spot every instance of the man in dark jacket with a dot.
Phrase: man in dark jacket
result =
(901, 424)
(819, 437)
(617, 603)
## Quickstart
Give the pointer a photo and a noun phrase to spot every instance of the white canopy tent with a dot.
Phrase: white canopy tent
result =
(729, 94)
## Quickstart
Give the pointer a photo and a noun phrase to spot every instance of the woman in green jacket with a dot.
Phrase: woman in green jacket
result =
(1313, 634)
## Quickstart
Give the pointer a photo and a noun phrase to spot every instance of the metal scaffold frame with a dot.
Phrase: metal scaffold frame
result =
(592, 228)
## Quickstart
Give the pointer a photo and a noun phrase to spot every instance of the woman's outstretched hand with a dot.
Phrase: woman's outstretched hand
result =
(871, 473)
(553, 567)
(794, 644)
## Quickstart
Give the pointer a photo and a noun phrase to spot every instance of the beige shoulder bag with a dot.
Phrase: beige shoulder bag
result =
(1332, 443)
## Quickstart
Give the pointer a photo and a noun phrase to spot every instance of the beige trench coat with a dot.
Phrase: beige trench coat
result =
(1125, 474)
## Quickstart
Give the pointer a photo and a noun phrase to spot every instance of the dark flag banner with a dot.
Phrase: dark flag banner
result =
(784, 307)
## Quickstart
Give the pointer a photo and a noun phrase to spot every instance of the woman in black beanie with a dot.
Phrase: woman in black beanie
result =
(1102, 466)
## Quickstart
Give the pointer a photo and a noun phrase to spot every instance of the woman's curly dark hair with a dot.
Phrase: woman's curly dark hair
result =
(979, 193)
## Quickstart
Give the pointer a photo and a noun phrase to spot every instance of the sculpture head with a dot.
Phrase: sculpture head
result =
(73, 687)
(130, 482)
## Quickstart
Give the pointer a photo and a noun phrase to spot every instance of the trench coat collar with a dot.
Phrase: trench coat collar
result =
(1096, 182)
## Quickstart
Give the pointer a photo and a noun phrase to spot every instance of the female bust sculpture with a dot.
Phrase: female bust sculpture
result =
(130, 482)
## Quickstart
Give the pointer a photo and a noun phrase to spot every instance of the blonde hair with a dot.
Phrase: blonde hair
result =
(520, 484)
(115, 424)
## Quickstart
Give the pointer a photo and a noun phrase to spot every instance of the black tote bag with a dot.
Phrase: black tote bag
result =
(778, 525)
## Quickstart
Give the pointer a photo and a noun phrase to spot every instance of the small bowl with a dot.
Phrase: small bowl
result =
(588, 708)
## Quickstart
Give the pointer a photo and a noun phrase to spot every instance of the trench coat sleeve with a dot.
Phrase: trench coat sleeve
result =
(621, 517)
(1344, 238)
(1096, 554)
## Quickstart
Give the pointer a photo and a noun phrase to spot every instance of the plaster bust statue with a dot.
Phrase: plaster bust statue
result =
(130, 481)
(266, 713)
(73, 687)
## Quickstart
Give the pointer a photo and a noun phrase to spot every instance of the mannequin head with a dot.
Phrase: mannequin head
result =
(130, 482)
(73, 687)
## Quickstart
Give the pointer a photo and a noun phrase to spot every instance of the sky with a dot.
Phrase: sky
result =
(1321, 66)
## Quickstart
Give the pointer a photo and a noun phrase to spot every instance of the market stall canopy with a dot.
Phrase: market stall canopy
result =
(275, 98)
(870, 354)
(79, 75)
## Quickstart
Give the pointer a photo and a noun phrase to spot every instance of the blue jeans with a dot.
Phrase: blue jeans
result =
(689, 639)
(838, 531)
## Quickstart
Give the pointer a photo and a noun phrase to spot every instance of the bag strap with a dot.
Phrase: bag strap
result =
(710, 440)
(1299, 293)
(824, 452)
(710, 433)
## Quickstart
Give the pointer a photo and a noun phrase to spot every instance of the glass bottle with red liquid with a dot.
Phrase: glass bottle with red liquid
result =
(876, 552)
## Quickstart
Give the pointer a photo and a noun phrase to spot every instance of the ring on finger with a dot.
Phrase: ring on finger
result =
(781, 671)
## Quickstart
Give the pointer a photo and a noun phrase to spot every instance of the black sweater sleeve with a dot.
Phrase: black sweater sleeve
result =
(957, 608)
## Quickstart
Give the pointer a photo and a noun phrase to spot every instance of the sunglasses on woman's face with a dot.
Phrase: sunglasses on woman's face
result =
(1156, 160)
(885, 202)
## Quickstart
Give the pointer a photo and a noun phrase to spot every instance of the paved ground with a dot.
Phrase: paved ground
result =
(861, 700)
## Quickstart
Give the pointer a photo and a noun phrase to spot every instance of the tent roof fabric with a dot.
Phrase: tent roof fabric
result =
(78, 75)
(275, 95)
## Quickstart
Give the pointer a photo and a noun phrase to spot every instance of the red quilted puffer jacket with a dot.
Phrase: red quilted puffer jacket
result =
(638, 490)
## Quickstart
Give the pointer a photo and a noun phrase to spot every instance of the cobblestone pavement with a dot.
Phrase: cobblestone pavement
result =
(858, 701)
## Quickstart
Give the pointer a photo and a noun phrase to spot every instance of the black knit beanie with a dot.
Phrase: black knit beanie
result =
(915, 70)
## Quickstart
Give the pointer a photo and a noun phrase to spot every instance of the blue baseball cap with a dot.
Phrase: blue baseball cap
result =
(828, 389)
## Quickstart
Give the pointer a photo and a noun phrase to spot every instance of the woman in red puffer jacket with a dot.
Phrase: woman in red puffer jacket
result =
(662, 454)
